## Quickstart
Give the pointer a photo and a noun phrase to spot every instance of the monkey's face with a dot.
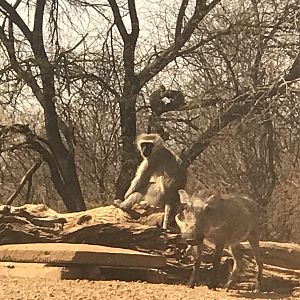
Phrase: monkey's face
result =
(147, 149)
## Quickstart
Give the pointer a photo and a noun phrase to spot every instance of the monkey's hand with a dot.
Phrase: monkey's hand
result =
(132, 189)
(132, 213)
(118, 203)
(128, 193)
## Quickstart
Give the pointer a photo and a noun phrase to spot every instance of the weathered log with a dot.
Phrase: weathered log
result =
(110, 226)
(107, 226)
(285, 255)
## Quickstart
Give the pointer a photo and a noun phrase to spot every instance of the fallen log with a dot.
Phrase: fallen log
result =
(285, 255)
(79, 261)
(110, 226)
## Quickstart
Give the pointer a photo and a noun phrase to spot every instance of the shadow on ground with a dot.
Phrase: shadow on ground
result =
(277, 283)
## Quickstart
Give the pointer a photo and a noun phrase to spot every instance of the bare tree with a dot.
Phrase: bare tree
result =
(134, 81)
(242, 100)
(38, 74)
(235, 65)
(251, 88)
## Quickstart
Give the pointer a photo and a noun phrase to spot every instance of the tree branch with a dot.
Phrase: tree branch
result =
(205, 41)
(24, 75)
(294, 72)
(38, 17)
(118, 19)
(134, 21)
(242, 106)
(180, 17)
(11, 13)
(41, 146)
(104, 84)
(166, 56)
(26, 177)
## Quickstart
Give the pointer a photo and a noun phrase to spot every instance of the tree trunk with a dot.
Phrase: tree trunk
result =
(133, 82)
(128, 152)
(59, 157)
(67, 185)
(72, 197)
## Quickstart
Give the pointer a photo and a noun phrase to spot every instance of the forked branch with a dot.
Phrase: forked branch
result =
(26, 178)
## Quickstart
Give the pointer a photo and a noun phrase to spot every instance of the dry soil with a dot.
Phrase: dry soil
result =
(28, 289)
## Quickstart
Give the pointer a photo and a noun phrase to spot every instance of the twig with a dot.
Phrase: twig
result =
(26, 177)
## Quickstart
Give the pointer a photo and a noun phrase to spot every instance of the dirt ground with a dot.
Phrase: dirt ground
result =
(25, 289)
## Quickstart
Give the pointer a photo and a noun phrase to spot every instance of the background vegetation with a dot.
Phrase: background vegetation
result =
(76, 79)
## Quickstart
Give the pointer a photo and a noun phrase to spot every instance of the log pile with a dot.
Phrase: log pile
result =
(110, 226)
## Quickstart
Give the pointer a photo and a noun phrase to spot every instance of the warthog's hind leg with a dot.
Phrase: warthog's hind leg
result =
(237, 266)
(254, 242)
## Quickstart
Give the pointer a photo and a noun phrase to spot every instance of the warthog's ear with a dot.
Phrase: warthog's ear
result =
(211, 197)
(208, 206)
(184, 196)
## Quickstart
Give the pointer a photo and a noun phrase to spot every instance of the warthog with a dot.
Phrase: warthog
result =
(225, 220)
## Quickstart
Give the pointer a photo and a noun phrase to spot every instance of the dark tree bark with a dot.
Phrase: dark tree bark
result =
(60, 157)
(127, 102)
(128, 151)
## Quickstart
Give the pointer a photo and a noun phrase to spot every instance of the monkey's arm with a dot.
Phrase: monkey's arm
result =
(141, 179)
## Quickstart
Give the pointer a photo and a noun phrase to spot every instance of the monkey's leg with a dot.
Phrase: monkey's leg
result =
(166, 216)
(172, 203)
(128, 203)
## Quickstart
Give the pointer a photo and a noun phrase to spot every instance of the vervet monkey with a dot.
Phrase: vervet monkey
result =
(158, 106)
(157, 179)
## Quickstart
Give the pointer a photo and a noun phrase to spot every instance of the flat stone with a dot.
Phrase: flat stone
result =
(78, 271)
(79, 254)
(38, 270)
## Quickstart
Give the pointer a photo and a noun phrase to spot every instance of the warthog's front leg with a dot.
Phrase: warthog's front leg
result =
(197, 260)
(216, 265)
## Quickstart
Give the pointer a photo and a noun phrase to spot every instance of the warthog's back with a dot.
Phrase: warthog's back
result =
(232, 218)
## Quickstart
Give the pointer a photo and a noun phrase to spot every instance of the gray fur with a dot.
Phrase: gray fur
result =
(225, 220)
(157, 179)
